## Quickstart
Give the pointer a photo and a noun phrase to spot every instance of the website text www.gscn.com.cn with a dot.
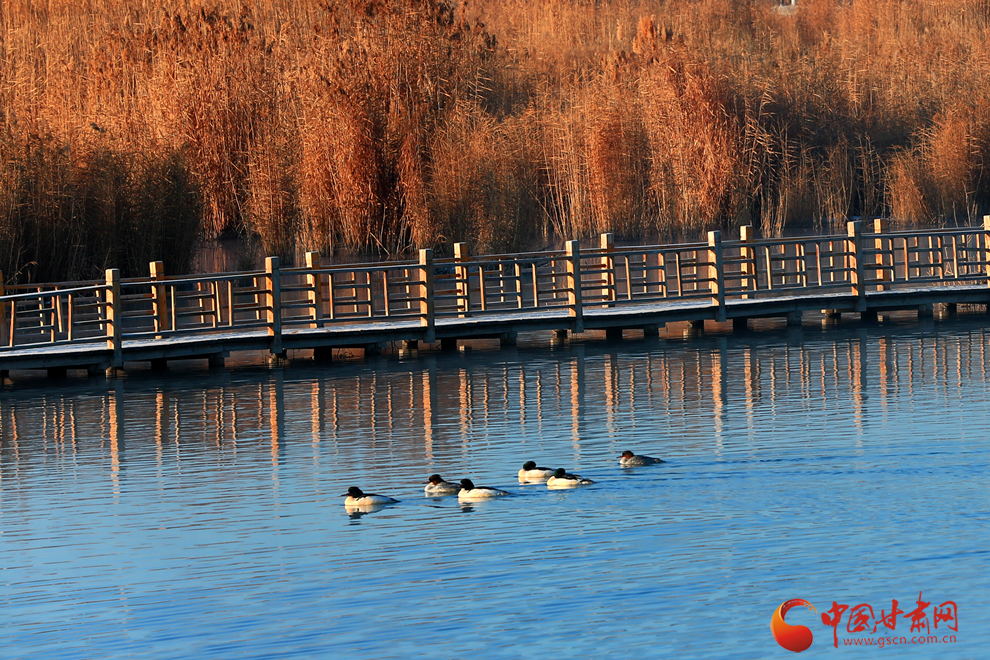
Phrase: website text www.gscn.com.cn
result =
(881, 642)
(943, 620)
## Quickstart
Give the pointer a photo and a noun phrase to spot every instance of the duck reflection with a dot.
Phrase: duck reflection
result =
(358, 511)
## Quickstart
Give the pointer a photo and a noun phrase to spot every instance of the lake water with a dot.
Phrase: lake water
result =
(199, 514)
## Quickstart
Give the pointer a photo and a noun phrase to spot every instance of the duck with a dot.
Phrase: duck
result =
(357, 497)
(629, 459)
(471, 492)
(531, 474)
(437, 486)
(561, 479)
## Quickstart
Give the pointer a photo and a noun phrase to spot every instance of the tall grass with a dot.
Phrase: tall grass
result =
(130, 130)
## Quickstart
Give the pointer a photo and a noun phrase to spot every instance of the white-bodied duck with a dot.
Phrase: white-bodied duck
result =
(470, 492)
(531, 474)
(357, 497)
(437, 486)
(562, 479)
(629, 459)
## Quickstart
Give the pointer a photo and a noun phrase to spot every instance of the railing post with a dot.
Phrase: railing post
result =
(656, 276)
(3, 313)
(273, 308)
(716, 273)
(158, 300)
(427, 308)
(748, 265)
(316, 290)
(574, 285)
(986, 249)
(607, 244)
(879, 227)
(462, 278)
(114, 316)
(854, 250)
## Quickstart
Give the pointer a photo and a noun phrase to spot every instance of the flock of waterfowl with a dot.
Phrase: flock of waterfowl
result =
(466, 491)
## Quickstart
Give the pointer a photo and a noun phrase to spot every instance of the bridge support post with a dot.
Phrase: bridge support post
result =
(427, 308)
(113, 315)
(462, 279)
(159, 364)
(508, 339)
(697, 325)
(4, 374)
(409, 345)
(854, 250)
(559, 335)
(950, 310)
(159, 306)
(315, 286)
(926, 311)
(575, 308)
(607, 245)
(613, 334)
(448, 344)
(323, 354)
(273, 308)
(373, 349)
(216, 361)
(716, 274)
(651, 332)
(794, 319)
(740, 324)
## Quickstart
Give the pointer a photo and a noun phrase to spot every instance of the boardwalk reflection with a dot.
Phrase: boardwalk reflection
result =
(708, 390)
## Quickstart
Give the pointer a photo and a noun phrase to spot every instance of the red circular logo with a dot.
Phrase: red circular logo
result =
(792, 638)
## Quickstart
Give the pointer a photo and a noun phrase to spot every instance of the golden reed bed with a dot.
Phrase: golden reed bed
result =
(130, 129)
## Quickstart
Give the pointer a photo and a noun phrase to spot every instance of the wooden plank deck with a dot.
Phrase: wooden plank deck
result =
(101, 325)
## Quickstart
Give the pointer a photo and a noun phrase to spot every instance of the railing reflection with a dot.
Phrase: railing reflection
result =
(710, 393)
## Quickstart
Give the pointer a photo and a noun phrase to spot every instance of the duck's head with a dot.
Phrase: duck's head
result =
(529, 465)
(560, 473)
(435, 479)
(467, 484)
(353, 491)
(627, 454)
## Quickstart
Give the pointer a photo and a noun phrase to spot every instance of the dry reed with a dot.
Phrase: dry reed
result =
(127, 130)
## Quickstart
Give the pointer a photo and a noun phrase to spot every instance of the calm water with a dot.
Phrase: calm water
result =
(199, 515)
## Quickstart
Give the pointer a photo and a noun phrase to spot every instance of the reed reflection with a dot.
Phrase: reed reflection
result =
(419, 412)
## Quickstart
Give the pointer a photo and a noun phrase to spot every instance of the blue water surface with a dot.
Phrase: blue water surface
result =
(199, 514)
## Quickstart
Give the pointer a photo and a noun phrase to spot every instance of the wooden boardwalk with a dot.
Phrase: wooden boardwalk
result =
(102, 325)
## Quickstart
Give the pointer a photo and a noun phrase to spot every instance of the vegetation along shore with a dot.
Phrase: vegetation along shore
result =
(131, 130)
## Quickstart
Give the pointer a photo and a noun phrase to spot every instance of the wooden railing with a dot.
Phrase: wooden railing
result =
(313, 296)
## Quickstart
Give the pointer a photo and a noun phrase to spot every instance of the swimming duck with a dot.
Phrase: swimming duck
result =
(530, 474)
(471, 492)
(561, 479)
(437, 486)
(629, 459)
(356, 497)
